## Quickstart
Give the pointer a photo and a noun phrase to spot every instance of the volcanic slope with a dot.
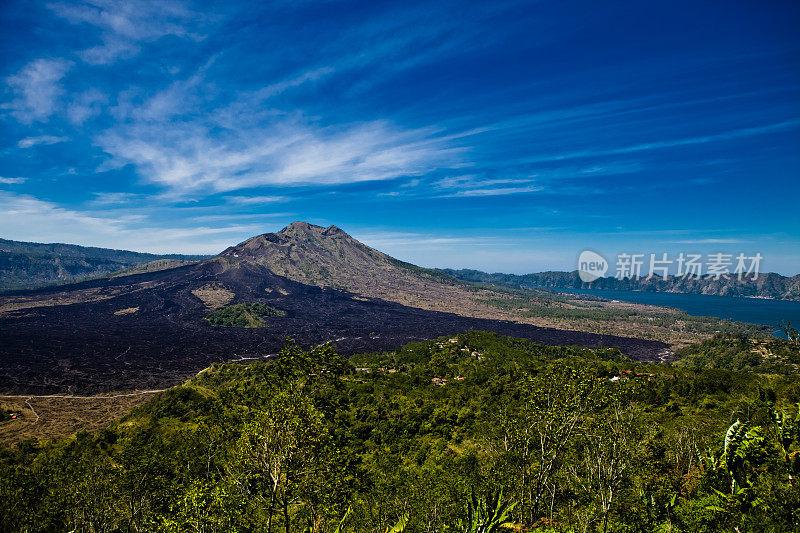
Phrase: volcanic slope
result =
(329, 257)
(146, 331)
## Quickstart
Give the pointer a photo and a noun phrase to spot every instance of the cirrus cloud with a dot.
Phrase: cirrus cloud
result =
(27, 142)
(38, 89)
(33, 219)
(192, 157)
(125, 24)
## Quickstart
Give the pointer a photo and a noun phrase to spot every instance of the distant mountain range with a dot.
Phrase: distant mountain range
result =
(316, 259)
(769, 285)
(149, 329)
(28, 264)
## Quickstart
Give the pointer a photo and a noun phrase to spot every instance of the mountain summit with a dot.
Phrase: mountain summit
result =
(306, 252)
(329, 257)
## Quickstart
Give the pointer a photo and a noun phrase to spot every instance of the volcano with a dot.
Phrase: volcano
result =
(148, 330)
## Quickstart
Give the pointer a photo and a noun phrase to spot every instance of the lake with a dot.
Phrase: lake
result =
(752, 310)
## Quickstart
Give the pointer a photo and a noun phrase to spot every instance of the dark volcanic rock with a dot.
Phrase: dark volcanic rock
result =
(148, 330)
(85, 347)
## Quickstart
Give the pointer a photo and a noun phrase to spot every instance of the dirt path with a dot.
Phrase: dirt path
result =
(61, 415)
(30, 397)
(28, 403)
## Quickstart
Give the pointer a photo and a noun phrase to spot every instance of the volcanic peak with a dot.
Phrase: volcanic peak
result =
(292, 236)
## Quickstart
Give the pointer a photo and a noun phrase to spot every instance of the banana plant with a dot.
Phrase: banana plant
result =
(400, 526)
(741, 442)
(788, 430)
(489, 516)
(340, 527)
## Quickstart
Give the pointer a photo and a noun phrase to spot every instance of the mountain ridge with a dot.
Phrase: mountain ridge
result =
(27, 265)
(769, 285)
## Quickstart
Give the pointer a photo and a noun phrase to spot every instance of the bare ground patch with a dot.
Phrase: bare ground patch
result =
(48, 417)
(214, 295)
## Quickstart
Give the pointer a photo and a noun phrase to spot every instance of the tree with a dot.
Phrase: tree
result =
(609, 445)
(280, 458)
(533, 434)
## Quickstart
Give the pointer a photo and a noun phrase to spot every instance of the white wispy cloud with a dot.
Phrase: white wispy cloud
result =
(37, 89)
(29, 218)
(288, 151)
(711, 241)
(184, 141)
(12, 181)
(565, 180)
(86, 105)
(275, 89)
(125, 24)
(451, 182)
(403, 38)
(27, 142)
(498, 191)
(475, 185)
(178, 98)
(472, 185)
(391, 239)
(672, 143)
(113, 198)
(32, 219)
(256, 200)
(238, 217)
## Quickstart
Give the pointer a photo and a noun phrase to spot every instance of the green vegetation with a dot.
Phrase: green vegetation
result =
(477, 432)
(736, 351)
(151, 266)
(25, 265)
(429, 273)
(244, 315)
(589, 313)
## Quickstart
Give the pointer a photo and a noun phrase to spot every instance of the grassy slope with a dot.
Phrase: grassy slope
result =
(28, 265)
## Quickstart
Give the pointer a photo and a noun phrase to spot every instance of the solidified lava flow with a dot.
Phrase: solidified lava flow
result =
(148, 331)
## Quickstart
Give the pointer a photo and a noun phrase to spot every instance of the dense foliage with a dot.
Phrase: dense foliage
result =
(459, 434)
(739, 352)
(244, 315)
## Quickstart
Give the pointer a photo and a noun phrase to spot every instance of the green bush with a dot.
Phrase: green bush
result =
(244, 315)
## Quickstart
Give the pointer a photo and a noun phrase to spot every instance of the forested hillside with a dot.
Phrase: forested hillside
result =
(768, 285)
(477, 432)
(28, 264)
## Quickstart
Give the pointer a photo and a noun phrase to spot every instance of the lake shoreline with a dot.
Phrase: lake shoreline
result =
(769, 312)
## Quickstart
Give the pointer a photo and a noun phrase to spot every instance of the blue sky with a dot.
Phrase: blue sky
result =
(505, 136)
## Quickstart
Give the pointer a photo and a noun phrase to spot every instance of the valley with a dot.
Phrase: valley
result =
(147, 330)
